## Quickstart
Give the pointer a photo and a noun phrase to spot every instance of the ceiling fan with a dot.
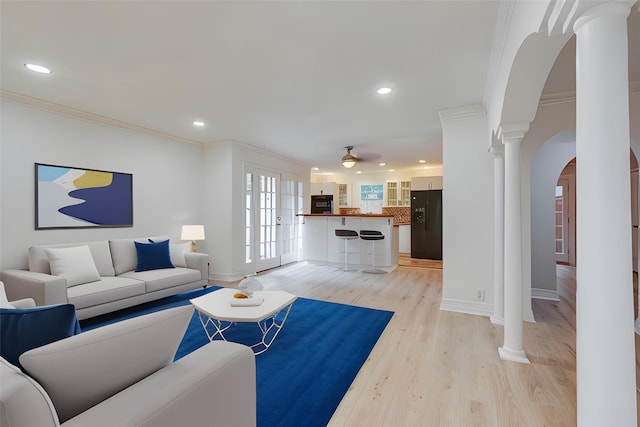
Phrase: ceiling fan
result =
(349, 160)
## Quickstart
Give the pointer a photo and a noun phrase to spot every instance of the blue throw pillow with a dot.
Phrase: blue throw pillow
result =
(22, 329)
(154, 255)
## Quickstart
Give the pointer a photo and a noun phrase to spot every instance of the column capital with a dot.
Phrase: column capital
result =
(513, 132)
(497, 151)
(615, 7)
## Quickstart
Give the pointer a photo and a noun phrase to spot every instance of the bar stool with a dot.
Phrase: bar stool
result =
(346, 235)
(372, 235)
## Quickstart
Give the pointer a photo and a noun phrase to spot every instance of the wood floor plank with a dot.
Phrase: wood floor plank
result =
(440, 368)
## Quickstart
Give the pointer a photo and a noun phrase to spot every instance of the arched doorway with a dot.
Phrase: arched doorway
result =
(554, 162)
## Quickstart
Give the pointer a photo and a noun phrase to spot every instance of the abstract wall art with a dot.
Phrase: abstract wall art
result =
(68, 197)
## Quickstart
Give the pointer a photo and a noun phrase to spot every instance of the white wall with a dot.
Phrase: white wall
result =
(546, 167)
(167, 184)
(174, 183)
(225, 165)
(467, 212)
(554, 123)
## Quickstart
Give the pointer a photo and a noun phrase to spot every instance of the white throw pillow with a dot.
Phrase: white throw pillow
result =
(74, 264)
(176, 251)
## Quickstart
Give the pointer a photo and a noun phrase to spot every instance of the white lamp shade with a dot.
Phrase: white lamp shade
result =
(192, 232)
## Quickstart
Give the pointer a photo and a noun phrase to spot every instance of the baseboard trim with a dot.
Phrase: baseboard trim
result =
(546, 294)
(467, 307)
(226, 277)
(479, 309)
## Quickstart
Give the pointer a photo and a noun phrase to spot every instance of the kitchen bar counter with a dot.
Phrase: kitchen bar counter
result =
(321, 244)
(351, 215)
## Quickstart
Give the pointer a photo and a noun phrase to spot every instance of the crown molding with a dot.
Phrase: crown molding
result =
(570, 96)
(462, 112)
(557, 98)
(75, 113)
(255, 149)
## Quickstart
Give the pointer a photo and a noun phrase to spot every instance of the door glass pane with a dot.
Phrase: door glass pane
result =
(559, 210)
(268, 204)
(248, 215)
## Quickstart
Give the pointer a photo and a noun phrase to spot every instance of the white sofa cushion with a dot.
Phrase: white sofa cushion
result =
(106, 290)
(124, 255)
(83, 370)
(39, 261)
(75, 264)
(164, 278)
(177, 250)
(23, 402)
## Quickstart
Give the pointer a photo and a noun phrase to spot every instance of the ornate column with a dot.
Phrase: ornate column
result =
(605, 346)
(498, 226)
(512, 348)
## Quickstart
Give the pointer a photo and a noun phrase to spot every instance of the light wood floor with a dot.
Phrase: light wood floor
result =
(439, 368)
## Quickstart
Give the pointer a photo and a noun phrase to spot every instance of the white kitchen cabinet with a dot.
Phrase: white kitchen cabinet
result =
(404, 239)
(426, 183)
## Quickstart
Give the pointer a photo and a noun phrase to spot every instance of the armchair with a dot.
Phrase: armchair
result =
(24, 326)
(123, 374)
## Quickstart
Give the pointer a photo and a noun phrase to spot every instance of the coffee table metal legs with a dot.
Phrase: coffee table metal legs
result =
(270, 327)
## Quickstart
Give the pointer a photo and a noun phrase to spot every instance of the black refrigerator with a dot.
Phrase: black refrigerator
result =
(426, 224)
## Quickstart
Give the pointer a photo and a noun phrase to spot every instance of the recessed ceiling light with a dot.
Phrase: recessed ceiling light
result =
(392, 170)
(38, 68)
(315, 168)
(359, 172)
(384, 91)
(422, 161)
(196, 123)
(382, 164)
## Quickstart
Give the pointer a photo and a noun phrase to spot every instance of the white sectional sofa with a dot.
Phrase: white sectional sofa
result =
(103, 278)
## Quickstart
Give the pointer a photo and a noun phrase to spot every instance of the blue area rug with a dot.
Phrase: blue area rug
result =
(303, 376)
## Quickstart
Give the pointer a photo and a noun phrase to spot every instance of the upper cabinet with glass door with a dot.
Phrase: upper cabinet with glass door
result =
(399, 198)
(343, 196)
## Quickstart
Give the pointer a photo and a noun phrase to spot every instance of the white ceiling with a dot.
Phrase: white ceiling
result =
(295, 77)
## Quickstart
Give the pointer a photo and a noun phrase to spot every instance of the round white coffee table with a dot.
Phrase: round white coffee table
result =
(217, 314)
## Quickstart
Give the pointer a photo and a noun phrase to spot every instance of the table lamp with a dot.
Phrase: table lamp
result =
(193, 233)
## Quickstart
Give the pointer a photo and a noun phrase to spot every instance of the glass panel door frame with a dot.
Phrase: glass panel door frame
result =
(271, 227)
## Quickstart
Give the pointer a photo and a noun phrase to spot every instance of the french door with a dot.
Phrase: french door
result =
(271, 225)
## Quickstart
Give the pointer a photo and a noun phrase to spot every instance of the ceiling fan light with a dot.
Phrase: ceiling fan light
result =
(349, 163)
(349, 160)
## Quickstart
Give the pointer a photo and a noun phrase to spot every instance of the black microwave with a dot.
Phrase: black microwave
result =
(322, 204)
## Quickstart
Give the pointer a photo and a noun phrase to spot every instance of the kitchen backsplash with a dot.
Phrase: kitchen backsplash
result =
(401, 215)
